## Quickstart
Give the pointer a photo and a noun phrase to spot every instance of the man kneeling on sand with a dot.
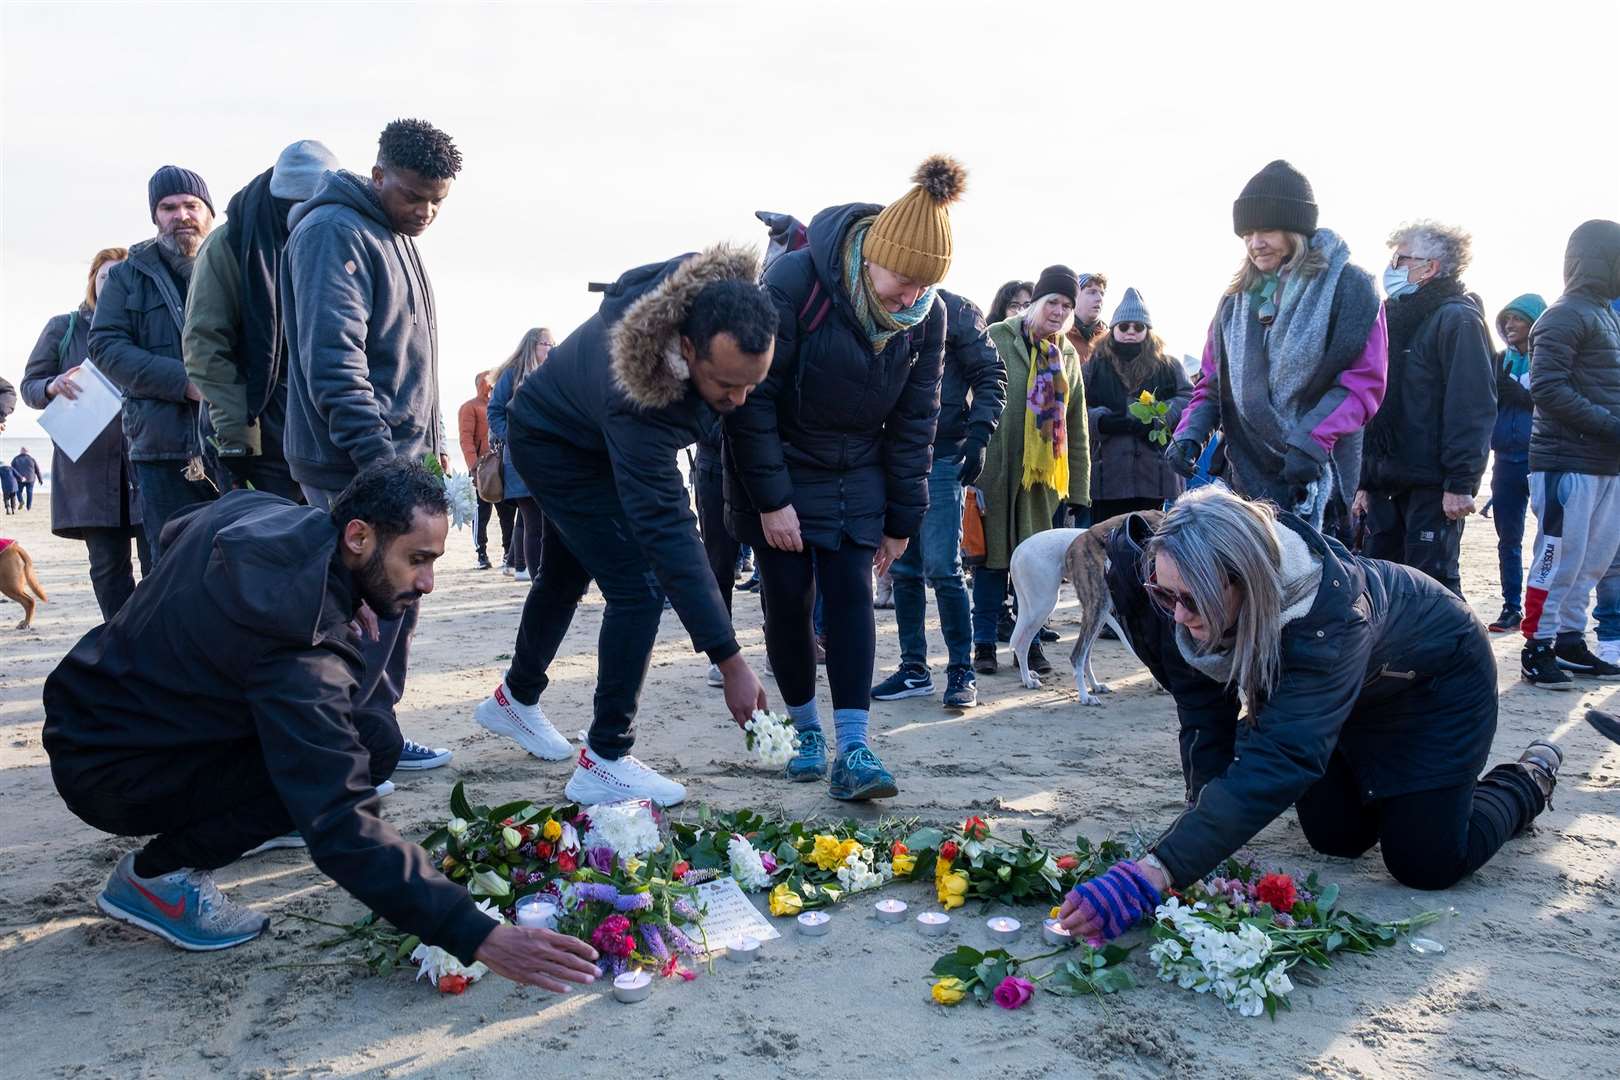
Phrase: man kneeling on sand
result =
(216, 711)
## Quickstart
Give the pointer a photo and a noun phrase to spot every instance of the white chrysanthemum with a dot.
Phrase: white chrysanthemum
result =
(772, 738)
(626, 827)
(746, 865)
(458, 489)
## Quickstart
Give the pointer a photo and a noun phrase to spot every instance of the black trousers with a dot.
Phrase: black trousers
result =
(788, 582)
(533, 534)
(1431, 839)
(263, 472)
(165, 491)
(718, 543)
(205, 805)
(588, 537)
(112, 573)
(1409, 527)
(504, 511)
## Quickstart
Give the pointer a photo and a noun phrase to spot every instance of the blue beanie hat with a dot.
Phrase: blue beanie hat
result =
(173, 180)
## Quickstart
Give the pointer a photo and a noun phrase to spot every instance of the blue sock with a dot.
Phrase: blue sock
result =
(805, 717)
(850, 724)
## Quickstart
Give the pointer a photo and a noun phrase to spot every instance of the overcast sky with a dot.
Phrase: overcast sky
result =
(601, 136)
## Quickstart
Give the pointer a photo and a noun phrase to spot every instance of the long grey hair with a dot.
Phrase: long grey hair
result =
(524, 359)
(1215, 538)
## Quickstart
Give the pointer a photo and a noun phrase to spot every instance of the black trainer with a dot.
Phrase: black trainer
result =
(961, 688)
(1510, 619)
(1038, 663)
(1574, 656)
(984, 659)
(1540, 669)
(1542, 760)
(912, 680)
(1047, 635)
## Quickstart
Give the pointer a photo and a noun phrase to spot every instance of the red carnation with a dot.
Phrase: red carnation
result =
(1276, 890)
(974, 828)
(567, 862)
(543, 849)
(948, 851)
(452, 984)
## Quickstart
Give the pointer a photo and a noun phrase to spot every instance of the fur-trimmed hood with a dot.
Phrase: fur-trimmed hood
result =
(645, 309)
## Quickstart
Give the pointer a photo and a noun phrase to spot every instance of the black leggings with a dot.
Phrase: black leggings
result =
(1431, 839)
(532, 535)
(788, 581)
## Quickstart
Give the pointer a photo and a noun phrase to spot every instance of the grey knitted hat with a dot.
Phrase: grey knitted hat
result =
(299, 169)
(1131, 309)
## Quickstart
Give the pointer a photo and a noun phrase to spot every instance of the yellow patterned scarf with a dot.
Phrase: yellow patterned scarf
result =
(1046, 442)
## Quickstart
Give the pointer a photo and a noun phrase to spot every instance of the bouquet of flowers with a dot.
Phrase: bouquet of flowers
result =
(1154, 413)
(772, 738)
(458, 489)
(996, 975)
(973, 863)
(635, 912)
(508, 851)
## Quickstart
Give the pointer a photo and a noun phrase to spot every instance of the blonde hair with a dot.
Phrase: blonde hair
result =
(1068, 321)
(103, 257)
(1303, 260)
(524, 359)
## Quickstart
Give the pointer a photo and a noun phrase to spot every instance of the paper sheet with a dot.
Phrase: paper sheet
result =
(731, 915)
(74, 425)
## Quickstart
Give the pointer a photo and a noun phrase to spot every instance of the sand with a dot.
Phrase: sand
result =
(1530, 988)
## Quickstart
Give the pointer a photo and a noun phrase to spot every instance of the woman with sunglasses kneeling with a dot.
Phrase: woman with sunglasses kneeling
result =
(1294, 365)
(1360, 692)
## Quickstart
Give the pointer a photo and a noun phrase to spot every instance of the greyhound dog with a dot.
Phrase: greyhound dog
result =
(1038, 568)
(18, 580)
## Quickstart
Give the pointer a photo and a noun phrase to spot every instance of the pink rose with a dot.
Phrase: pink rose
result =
(1014, 993)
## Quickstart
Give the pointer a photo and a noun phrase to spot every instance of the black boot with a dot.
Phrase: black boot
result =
(1540, 669)
(984, 659)
(1038, 663)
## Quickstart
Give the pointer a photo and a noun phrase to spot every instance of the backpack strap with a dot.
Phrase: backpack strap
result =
(66, 343)
(810, 323)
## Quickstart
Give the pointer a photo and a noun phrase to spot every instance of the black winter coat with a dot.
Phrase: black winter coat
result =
(1388, 668)
(973, 388)
(1575, 361)
(241, 637)
(97, 491)
(1434, 426)
(135, 341)
(843, 435)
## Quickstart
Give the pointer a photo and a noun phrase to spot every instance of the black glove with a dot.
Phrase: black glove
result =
(972, 462)
(1300, 468)
(1183, 456)
(1119, 424)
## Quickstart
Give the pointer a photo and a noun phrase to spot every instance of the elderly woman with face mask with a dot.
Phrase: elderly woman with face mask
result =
(827, 461)
(1039, 456)
(1295, 362)
(1354, 690)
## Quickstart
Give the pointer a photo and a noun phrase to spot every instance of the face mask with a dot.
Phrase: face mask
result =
(1395, 283)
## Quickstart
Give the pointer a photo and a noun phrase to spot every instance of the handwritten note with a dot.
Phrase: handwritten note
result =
(731, 915)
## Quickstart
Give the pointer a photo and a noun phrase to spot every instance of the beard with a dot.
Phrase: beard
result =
(185, 243)
(378, 593)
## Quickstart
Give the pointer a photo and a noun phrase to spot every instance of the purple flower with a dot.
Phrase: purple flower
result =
(616, 966)
(582, 823)
(685, 910)
(596, 893)
(680, 941)
(633, 902)
(600, 859)
(655, 941)
(1283, 920)
(519, 877)
(769, 861)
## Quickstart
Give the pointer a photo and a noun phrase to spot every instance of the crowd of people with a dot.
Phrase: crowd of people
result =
(852, 420)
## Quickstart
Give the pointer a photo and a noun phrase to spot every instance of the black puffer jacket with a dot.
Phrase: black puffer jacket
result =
(843, 435)
(1434, 427)
(973, 389)
(1387, 668)
(1575, 361)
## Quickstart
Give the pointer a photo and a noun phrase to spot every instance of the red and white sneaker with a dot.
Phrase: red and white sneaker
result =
(598, 780)
(525, 724)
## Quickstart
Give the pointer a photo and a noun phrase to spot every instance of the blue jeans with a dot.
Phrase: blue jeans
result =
(1510, 498)
(1607, 611)
(989, 593)
(935, 555)
(165, 492)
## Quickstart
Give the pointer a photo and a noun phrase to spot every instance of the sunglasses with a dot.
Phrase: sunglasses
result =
(1167, 600)
(1131, 327)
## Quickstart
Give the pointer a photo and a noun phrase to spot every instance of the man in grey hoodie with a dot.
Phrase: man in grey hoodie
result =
(363, 351)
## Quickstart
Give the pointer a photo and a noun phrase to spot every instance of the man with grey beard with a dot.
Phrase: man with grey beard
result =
(135, 341)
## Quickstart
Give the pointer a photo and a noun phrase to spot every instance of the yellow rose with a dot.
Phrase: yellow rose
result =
(952, 889)
(848, 848)
(1054, 913)
(1146, 397)
(904, 865)
(828, 853)
(949, 991)
(942, 867)
(784, 901)
(551, 831)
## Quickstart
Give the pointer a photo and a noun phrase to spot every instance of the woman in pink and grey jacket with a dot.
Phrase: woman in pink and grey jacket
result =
(1295, 362)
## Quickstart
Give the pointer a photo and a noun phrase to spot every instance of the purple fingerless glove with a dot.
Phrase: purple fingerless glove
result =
(1117, 899)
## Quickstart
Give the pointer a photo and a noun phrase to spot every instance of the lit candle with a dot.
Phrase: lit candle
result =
(1003, 929)
(933, 923)
(632, 986)
(1052, 930)
(814, 923)
(535, 912)
(743, 950)
(890, 910)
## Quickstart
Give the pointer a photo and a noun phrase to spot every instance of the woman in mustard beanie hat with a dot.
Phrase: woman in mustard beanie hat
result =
(827, 461)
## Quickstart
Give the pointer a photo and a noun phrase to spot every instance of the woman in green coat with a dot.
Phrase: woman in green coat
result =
(1038, 456)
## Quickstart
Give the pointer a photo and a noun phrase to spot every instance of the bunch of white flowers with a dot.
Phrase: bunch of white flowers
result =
(1198, 955)
(746, 865)
(458, 489)
(772, 738)
(626, 827)
(860, 871)
(434, 963)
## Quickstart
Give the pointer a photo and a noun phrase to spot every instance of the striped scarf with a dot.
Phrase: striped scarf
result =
(1046, 438)
(879, 323)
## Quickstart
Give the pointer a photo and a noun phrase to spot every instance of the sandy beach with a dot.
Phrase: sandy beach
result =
(1530, 987)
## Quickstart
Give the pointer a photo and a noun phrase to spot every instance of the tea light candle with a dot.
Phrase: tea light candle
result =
(632, 986)
(1052, 930)
(743, 950)
(537, 913)
(891, 911)
(933, 923)
(814, 923)
(1003, 929)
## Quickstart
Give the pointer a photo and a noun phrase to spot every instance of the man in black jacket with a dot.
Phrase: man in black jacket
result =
(1427, 446)
(215, 710)
(973, 392)
(596, 432)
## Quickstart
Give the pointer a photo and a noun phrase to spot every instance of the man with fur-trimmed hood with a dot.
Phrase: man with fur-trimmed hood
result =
(596, 433)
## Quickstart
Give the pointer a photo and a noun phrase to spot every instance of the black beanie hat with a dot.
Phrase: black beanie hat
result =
(1060, 280)
(1278, 197)
(173, 180)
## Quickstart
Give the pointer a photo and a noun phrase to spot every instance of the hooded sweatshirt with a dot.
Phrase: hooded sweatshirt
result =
(362, 338)
(1575, 361)
(1510, 438)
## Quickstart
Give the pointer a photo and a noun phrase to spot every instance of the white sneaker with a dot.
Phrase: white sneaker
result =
(1609, 652)
(293, 839)
(718, 680)
(598, 780)
(521, 575)
(525, 724)
(385, 789)
(506, 569)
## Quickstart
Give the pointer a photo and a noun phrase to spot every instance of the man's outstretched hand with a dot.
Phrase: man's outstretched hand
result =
(744, 693)
(542, 958)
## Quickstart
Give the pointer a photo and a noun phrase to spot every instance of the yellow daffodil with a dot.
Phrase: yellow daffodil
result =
(904, 865)
(949, 991)
(827, 853)
(784, 901)
(551, 831)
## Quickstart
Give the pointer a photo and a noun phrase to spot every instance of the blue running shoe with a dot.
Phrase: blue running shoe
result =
(859, 775)
(417, 756)
(912, 680)
(184, 908)
(810, 763)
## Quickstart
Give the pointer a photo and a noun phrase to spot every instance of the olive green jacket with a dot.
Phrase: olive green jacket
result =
(208, 342)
